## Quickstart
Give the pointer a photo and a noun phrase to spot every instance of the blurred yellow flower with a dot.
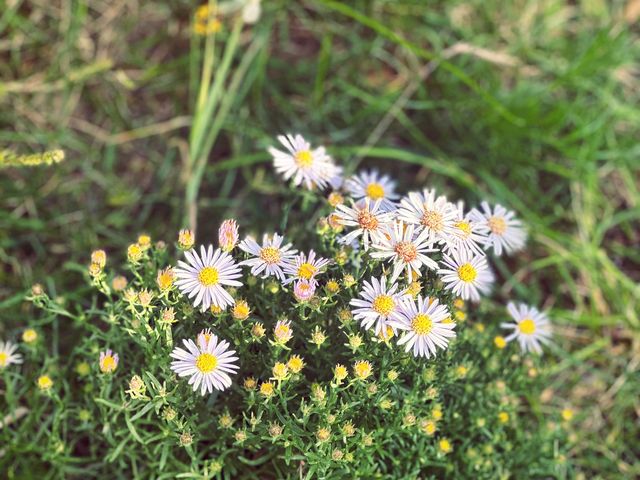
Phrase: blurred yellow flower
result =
(44, 382)
(205, 21)
(29, 335)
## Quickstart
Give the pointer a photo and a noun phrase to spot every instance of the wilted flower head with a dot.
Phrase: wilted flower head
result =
(169, 414)
(145, 297)
(275, 430)
(258, 330)
(137, 387)
(119, 283)
(36, 290)
(186, 439)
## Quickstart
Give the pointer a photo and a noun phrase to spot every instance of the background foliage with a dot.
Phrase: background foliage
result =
(529, 103)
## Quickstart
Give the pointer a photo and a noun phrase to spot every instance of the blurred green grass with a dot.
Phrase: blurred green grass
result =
(533, 104)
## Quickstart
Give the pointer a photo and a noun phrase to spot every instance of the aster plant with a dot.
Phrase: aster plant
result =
(379, 354)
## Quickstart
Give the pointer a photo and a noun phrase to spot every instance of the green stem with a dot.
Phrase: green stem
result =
(204, 112)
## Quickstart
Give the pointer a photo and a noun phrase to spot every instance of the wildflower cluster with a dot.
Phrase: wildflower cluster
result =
(361, 350)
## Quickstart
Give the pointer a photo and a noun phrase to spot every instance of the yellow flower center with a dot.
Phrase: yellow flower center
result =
(165, 279)
(144, 240)
(367, 220)
(280, 370)
(306, 271)
(3, 359)
(375, 191)
(407, 251)
(340, 372)
(108, 364)
(241, 310)
(464, 227)
(208, 276)
(270, 255)
(429, 427)
(205, 21)
(386, 334)
(497, 225)
(422, 324)
(383, 304)
(362, 369)
(445, 445)
(432, 219)
(527, 326)
(303, 158)
(206, 362)
(45, 382)
(266, 389)
(467, 273)
(295, 364)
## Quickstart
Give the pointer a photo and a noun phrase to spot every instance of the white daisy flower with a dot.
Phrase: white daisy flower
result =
(468, 234)
(434, 214)
(406, 248)
(505, 231)
(531, 327)
(208, 363)
(8, 355)
(368, 219)
(304, 267)
(302, 164)
(370, 184)
(378, 305)
(204, 276)
(270, 257)
(423, 321)
(466, 274)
